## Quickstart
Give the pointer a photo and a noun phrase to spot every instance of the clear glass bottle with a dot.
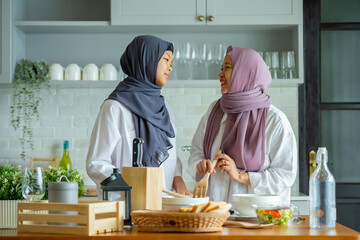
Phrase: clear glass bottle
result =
(65, 161)
(322, 193)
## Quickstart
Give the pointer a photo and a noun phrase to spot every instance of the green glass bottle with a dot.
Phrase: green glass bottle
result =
(65, 161)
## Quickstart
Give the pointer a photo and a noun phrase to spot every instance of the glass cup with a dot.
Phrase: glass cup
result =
(275, 66)
(182, 64)
(202, 61)
(288, 64)
(33, 186)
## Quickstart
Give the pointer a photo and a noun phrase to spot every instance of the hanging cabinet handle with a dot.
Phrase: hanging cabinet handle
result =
(312, 162)
(201, 18)
(211, 18)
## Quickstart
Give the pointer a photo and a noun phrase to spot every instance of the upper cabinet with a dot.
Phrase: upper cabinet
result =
(5, 42)
(158, 12)
(205, 12)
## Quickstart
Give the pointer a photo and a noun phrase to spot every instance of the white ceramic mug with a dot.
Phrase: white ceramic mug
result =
(56, 72)
(73, 72)
(90, 72)
(108, 72)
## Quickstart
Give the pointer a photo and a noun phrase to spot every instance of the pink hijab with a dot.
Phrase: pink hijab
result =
(246, 105)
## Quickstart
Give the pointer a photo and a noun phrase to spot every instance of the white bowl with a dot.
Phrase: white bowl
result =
(242, 202)
(169, 202)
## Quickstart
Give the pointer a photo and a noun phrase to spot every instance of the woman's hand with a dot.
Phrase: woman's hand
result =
(179, 186)
(205, 166)
(227, 164)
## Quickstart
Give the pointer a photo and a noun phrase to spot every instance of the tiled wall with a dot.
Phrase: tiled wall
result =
(69, 114)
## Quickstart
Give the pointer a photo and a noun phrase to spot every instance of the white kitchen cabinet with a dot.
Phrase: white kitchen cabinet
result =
(202, 12)
(158, 12)
(5, 42)
(253, 12)
(66, 31)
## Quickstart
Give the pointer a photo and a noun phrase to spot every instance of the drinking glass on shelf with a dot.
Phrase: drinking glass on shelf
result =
(291, 64)
(211, 59)
(202, 61)
(219, 51)
(193, 62)
(183, 71)
(268, 61)
(33, 187)
(288, 64)
(283, 65)
(275, 66)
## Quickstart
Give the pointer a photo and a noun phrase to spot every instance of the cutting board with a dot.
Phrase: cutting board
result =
(146, 193)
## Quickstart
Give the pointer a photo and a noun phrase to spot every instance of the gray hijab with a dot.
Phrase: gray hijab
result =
(140, 94)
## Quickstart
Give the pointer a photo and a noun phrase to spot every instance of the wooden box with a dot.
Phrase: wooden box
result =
(93, 217)
(146, 193)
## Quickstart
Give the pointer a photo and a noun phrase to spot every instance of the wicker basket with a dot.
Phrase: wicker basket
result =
(174, 221)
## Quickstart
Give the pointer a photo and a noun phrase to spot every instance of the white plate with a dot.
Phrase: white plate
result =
(236, 217)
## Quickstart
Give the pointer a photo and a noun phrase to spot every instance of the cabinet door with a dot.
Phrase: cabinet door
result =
(157, 12)
(244, 12)
(5, 41)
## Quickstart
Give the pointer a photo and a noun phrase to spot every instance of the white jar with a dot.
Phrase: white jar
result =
(56, 72)
(73, 72)
(108, 72)
(90, 72)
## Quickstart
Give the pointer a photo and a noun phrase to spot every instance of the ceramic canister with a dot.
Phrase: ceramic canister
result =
(63, 192)
(56, 72)
(108, 72)
(90, 72)
(72, 72)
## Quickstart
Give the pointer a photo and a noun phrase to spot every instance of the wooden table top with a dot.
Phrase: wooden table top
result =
(290, 231)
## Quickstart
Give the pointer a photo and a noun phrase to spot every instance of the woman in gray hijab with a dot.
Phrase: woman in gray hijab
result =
(136, 108)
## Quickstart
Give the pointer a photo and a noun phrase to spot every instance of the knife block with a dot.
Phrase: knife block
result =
(146, 193)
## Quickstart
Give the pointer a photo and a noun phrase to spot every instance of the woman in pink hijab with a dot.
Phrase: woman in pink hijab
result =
(259, 150)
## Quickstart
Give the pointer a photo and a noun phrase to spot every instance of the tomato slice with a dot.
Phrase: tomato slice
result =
(273, 213)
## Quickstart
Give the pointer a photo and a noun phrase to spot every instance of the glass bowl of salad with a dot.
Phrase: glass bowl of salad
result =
(279, 214)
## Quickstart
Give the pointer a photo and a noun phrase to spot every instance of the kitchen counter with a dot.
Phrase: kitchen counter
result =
(290, 231)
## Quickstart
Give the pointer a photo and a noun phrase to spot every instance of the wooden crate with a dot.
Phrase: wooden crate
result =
(93, 217)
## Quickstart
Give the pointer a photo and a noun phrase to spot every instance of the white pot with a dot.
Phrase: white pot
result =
(8, 213)
(242, 202)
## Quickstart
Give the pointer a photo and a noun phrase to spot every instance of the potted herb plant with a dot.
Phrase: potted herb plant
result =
(10, 194)
(29, 78)
(10, 191)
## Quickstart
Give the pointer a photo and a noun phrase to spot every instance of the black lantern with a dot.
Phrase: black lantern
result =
(116, 183)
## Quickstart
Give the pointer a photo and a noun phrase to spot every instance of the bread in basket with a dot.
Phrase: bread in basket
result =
(179, 221)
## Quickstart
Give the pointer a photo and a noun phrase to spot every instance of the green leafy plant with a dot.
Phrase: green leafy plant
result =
(29, 78)
(53, 175)
(10, 181)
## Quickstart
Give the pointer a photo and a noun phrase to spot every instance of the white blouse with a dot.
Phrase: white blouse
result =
(111, 146)
(278, 173)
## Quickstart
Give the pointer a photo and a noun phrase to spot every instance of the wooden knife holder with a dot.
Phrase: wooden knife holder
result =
(146, 193)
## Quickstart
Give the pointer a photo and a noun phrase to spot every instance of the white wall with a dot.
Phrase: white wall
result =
(69, 114)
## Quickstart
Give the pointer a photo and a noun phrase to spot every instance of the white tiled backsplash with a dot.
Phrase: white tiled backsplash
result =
(70, 113)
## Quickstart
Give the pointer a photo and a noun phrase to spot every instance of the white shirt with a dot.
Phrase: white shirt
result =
(111, 146)
(278, 172)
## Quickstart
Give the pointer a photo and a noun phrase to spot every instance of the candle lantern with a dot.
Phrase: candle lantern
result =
(116, 183)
